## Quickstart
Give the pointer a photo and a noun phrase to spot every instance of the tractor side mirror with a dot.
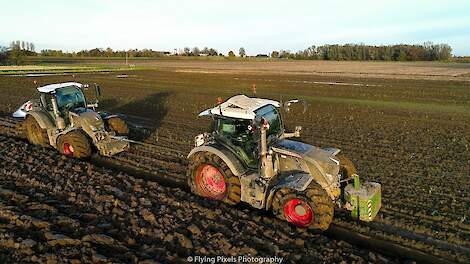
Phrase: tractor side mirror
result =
(97, 90)
(296, 133)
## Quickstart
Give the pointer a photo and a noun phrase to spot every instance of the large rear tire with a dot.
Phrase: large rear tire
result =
(74, 144)
(118, 125)
(209, 176)
(34, 133)
(312, 208)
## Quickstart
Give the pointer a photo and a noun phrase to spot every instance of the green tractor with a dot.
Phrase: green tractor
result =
(61, 118)
(248, 157)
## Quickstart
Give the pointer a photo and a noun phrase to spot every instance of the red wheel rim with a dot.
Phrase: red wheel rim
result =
(298, 212)
(210, 182)
(68, 149)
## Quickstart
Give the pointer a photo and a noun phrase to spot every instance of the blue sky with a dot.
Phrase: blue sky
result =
(259, 26)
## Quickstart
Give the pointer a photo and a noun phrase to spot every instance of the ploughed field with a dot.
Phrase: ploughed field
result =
(409, 134)
(58, 210)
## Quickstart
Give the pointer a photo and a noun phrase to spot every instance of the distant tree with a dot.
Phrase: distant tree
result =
(231, 54)
(205, 50)
(3, 55)
(445, 52)
(275, 54)
(196, 51)
(242, 52)
(109, 52)
(186, 51)
(285, 54)
(15, 55)
(212, 52)
(14, 44)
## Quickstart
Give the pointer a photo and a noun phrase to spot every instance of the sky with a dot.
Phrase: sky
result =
(258, 26)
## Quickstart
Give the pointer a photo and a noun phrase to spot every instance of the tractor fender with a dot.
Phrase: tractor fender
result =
(230, 159)
(297, 182)
(42, 118)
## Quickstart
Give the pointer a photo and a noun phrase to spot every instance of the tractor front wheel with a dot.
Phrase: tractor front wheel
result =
(35, 134)
(118, 125)
(74, 144)
(312, 208)
(209, 176)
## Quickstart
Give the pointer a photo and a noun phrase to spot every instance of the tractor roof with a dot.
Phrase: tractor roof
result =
(52, 87)
(239, 106)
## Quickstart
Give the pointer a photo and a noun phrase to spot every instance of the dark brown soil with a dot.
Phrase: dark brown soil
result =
(409, 135)
(55, 210)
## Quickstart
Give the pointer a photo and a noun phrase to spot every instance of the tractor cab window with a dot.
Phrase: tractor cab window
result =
(238, 136)
(46, 99)
(70, 98)
(270, 114)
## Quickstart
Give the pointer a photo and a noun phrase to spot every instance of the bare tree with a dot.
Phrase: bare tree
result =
(242, 52)
(196, 51)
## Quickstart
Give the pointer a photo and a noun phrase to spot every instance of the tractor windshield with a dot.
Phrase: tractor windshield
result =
(70, 98)
(270, 114)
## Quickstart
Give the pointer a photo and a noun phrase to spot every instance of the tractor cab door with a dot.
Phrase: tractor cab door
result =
(46, 102)
(237, 135)
(273, 117)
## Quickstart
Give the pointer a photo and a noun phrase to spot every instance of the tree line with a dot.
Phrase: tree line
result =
(427, 51)
(402, 52)
(149, 53)
(15, 53)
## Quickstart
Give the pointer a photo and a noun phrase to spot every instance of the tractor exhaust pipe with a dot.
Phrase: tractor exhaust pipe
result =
(267, 168)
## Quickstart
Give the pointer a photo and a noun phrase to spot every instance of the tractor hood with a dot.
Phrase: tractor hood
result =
(87, 119)
(321, 162)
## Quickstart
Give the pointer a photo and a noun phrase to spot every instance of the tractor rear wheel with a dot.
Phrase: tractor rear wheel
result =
(346, 167)
(74, 144)
(312, 208)
(35, 134)
(118, 125)
(209, 176)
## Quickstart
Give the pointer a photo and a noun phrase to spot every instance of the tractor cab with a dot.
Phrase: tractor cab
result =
(248, 157)
(236, 124)
(66, 96)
